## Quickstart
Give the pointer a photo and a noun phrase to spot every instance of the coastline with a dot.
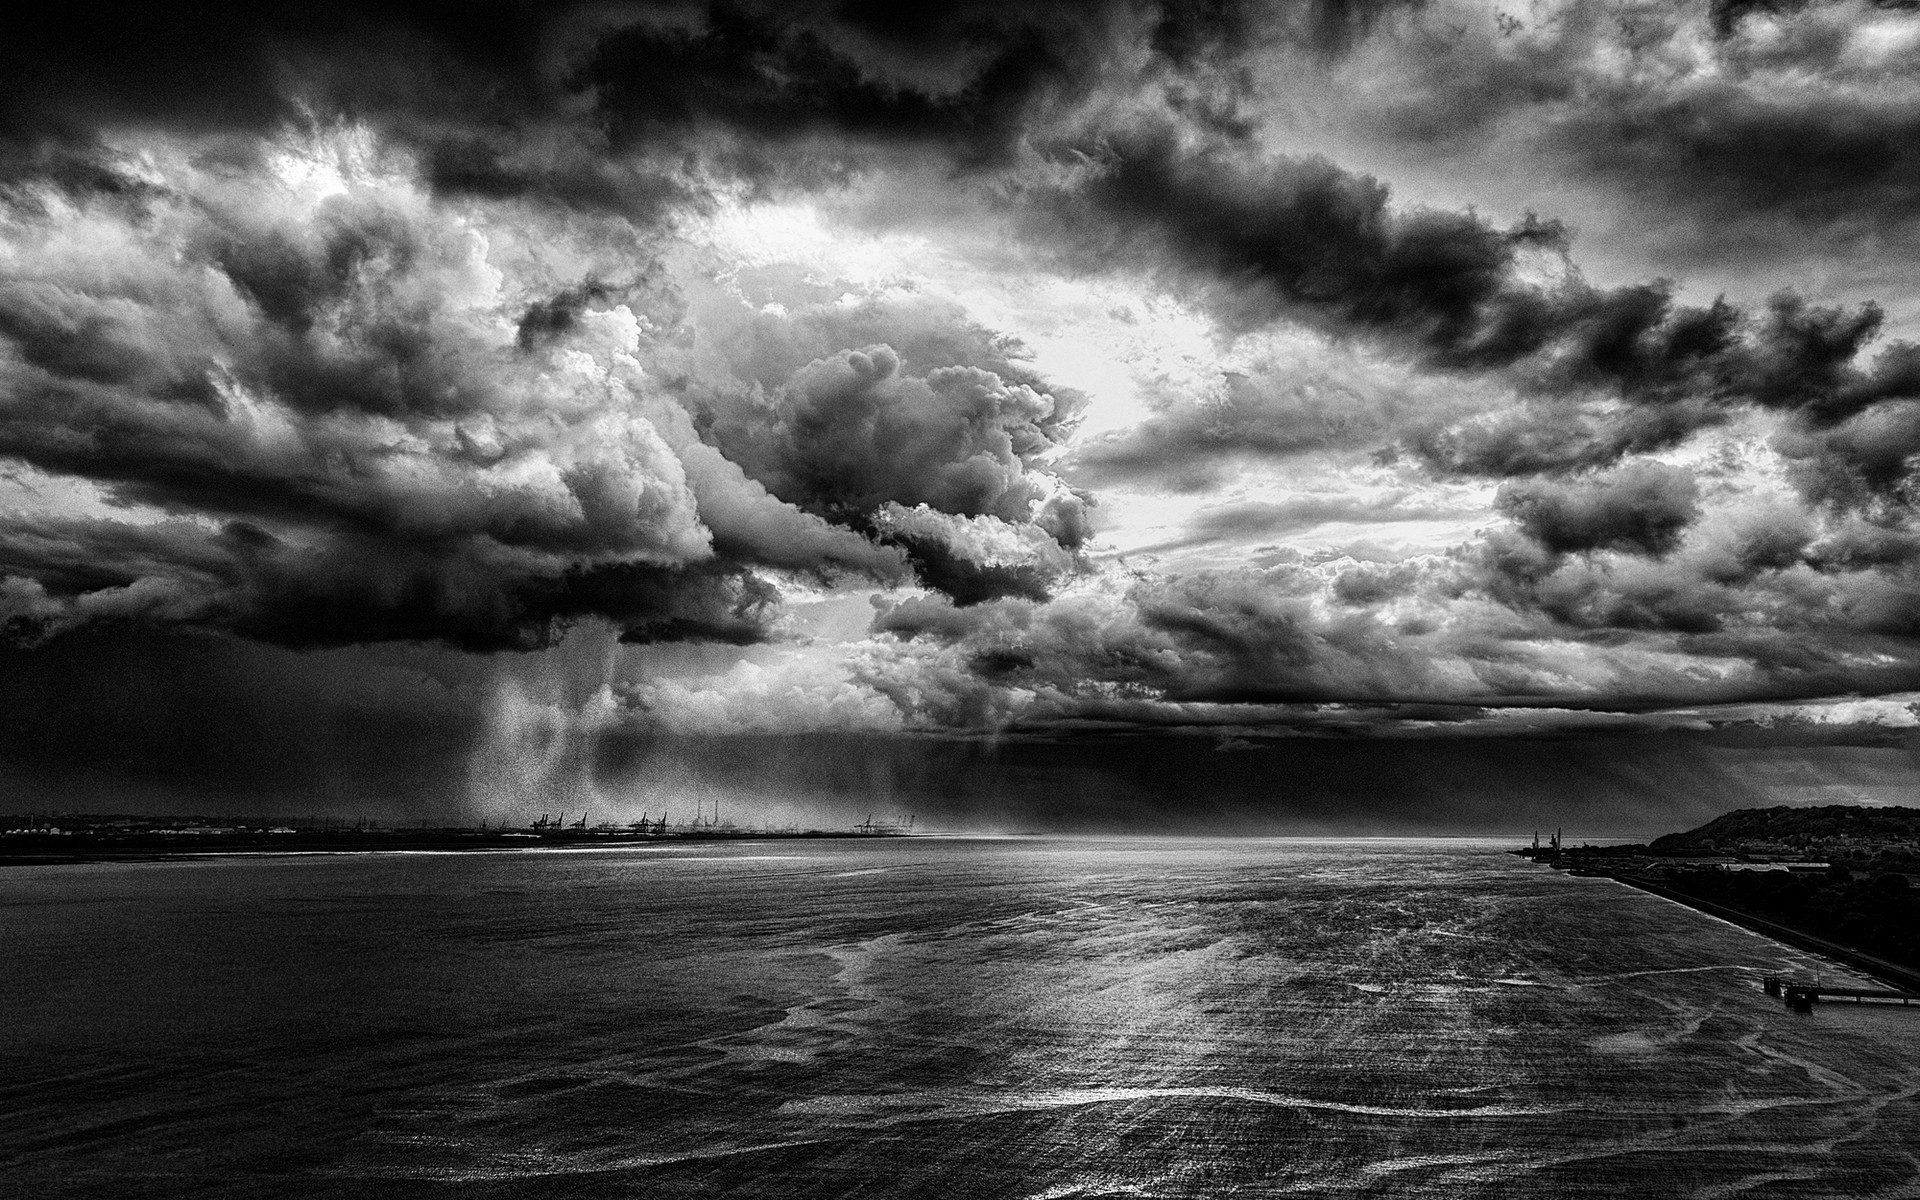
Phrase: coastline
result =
(162, 848)
(1892, 974)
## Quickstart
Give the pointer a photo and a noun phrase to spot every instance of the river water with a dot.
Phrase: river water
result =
(938, 1018)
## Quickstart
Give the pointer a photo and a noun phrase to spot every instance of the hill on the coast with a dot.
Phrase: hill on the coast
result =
(1833, 830)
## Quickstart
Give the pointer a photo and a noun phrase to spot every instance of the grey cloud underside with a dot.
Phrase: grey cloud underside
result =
(1771, 138)
(182, 723)
(492, 93)
(346, 423)
(1601, 373)
(1247, 519)
(775, 90)
(380, 438)
(247, 581)
(1642, 508)
(1503, 625)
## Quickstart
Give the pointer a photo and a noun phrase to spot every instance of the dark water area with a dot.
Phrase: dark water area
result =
(939, 1018)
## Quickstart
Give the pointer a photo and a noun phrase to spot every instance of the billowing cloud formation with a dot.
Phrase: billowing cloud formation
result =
(358, 426)
(1283, 405)
(1607, 372)
(712, 322)
(983, 557)
(1642, 507)
(1730, 133)
(492, 97)
(850, 432)
(324, 383)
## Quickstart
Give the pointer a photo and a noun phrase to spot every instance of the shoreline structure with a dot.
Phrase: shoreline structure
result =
(1886, 972)
(1817, 873)
(50, 849)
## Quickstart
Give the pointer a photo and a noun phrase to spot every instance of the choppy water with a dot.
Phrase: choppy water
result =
(926, 1018)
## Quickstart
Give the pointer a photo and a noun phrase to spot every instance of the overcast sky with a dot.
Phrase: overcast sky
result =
(456, 408)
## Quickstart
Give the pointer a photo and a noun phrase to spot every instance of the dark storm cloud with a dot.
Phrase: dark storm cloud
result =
(351, 375)
(1834, 156)
(777, 96)
(1243, 637)
(347, 588)
(1252, 519)
(173, 722)
(775, 74)
(973, 559)
(1554, 435)
(1642, 508)
(965, 580)
(1265, 240)
(552, 319)
(1279, 410)
(412, 402)
(1769, 140)
(1866, 462)
(851, 432)
(1297, 237)
(116, 718)
(478, 85)
(1101, 782)
(228, 66)
(1241, 642)
(1218, 637)
(1261, 239)
(1857, 544)
(944, 419)
(1828, 164)
(1805, 603)
(1618, 780)
(530, 101)
(512, 100)
(1620, 590)
(370, 448)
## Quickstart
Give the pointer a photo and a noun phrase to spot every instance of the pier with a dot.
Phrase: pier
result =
(1801, 997)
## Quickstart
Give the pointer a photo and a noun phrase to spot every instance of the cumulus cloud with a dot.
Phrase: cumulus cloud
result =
(1606, 371)
(800, 695)
(972, 559)
(1807, 118)
(874, 442)
(1740, 146)
(366, 426)
(635, 110)
(1278, 404)
(1642, 507)
(345, 356)
(1214, 637)
(851, 432)
(327, 379)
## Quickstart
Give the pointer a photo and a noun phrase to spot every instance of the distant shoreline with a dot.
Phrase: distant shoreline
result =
(171, 848)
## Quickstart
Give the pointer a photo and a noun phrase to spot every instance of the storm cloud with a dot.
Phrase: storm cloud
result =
(1641, 508)
(978, 370)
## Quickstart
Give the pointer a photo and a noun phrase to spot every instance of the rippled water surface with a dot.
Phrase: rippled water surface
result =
(926, 1018)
